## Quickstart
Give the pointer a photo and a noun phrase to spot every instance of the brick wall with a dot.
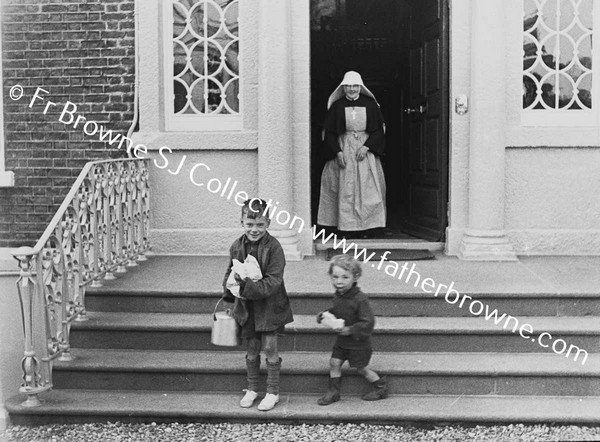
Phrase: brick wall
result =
(79, 51)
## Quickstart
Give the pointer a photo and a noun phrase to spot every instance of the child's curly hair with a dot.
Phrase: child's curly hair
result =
(347, 263)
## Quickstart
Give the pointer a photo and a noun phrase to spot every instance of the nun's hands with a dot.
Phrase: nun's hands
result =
(340, 160)
(361, 153)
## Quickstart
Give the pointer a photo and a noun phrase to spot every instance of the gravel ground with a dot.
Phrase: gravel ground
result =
(113, 432)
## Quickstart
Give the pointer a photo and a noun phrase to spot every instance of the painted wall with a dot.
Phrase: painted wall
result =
(189, 219)
(301, 116)
(551, 203)
(179, 225)
(460, 82)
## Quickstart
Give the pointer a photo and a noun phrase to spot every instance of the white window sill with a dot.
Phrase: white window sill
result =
(227, 140)
(559, 118)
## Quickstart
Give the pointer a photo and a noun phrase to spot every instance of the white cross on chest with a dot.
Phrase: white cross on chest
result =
(353, 113)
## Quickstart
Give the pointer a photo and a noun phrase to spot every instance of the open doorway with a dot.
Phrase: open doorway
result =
(400, 49)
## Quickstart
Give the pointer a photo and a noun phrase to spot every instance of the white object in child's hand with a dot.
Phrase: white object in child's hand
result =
(247, 269)
(329, 319)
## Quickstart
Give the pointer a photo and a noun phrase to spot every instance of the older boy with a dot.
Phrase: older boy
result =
(263, 308)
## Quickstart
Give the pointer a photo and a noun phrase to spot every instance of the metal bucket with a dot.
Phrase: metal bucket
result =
(224, 329)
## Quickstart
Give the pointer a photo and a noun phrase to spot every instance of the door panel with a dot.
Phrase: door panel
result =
(430, 11)
(427, 134)
(426, 198)
(432, 155)
(416, 71)
(432, 55)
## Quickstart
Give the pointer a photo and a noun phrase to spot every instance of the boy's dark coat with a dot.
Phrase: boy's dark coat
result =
(354, 308)
(270, 301)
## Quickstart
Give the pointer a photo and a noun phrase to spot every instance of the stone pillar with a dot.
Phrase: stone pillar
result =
(485, 238)
(275, 131)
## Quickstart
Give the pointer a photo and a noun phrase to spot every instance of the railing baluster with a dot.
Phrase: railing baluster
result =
(81, 269)
(133, 245)
(122, 254)
(67, 281)
(31, 364)
(143, 200)
(94, 201)
(108, 224)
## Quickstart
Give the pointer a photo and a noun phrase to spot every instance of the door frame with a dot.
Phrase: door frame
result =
(447, 19)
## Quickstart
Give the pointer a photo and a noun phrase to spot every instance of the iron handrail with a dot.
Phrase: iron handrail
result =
(101, 227)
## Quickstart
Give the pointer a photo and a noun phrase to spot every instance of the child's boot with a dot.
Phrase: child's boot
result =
(272, 397)
(333, 392)
(252, 374)
(379, 391)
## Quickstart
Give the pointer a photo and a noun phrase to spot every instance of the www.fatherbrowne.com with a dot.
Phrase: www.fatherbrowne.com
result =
(452, 296)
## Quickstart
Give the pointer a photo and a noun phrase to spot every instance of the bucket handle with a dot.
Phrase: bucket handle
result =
(217, 306)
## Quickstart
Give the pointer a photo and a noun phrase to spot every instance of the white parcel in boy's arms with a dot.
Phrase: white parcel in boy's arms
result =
(247, 269)
(331, 321)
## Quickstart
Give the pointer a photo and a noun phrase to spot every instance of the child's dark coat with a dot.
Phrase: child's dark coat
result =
(270, 301)
(354, 308)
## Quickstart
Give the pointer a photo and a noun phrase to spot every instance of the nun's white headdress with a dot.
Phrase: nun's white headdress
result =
(350, 78)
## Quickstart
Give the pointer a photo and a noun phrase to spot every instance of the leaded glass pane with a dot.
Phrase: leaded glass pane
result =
(205, 55)
(557, 54)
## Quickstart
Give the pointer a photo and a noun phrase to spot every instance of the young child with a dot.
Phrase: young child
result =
(353, 342)
(263, 308)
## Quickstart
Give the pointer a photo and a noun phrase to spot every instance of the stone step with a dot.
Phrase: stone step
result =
(407, 243)
(79, 406)
(180, 331)
(383, 304)
(308, 372)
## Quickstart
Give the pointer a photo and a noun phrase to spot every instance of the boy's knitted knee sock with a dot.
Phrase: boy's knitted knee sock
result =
(252, 373)
(273, 369)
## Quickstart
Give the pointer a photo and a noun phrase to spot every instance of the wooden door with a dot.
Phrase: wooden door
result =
(425, 119)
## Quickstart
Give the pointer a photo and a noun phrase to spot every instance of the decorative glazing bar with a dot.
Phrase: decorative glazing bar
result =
(101, 228)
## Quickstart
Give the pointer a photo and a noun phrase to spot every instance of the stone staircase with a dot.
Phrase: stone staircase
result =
(145, 354)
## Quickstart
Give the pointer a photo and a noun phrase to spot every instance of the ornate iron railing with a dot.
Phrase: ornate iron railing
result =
(101, 228)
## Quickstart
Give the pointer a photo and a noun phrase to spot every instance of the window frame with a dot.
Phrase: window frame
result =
(197, 122)
(569, 117)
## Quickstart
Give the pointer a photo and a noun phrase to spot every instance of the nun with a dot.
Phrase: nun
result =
(352, 194)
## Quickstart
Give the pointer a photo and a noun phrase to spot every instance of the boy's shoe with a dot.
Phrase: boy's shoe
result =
(248, 399)
(379, 391)
(333, 392)
(269, 401)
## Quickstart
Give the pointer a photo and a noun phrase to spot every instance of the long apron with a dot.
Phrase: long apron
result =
(353, 198)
